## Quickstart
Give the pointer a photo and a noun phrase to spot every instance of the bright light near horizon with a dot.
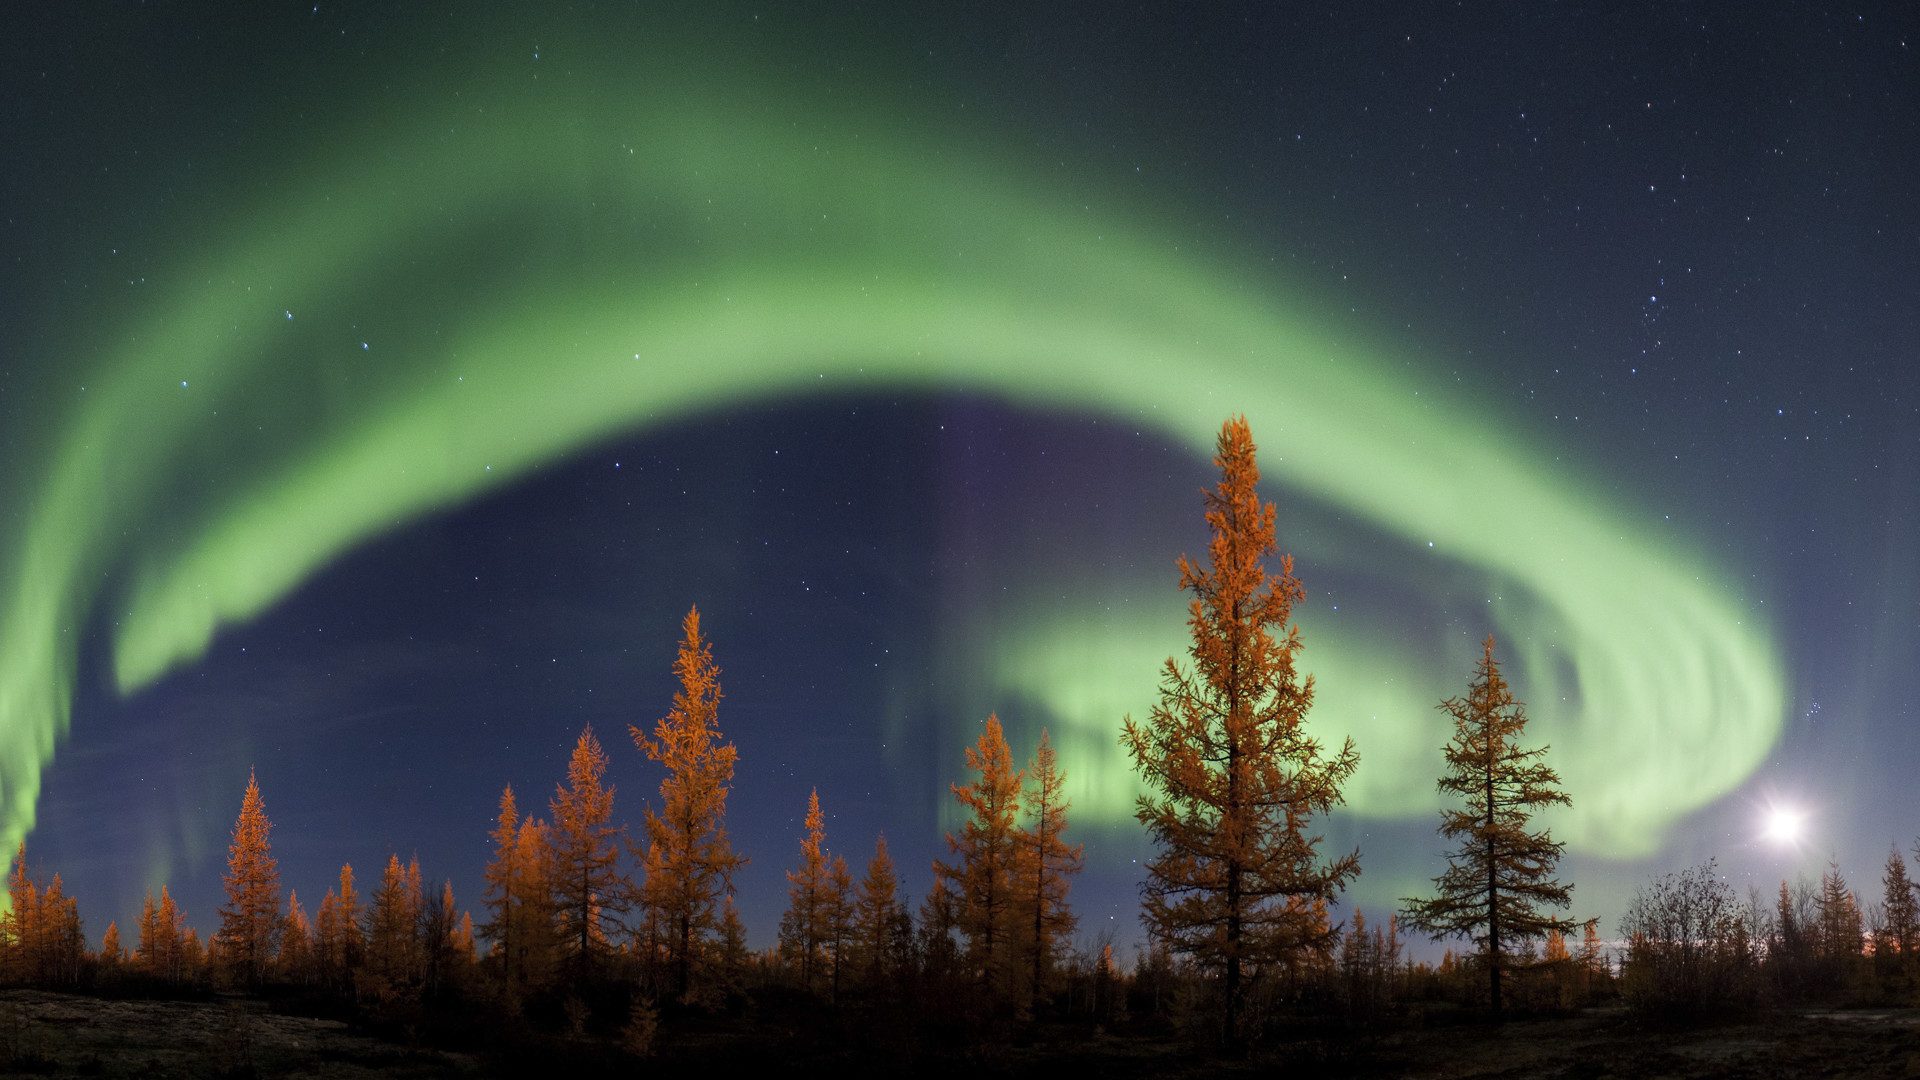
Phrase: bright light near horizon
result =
(1784, 825)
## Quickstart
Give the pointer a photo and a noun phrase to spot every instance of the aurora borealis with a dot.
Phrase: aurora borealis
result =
(448, 275)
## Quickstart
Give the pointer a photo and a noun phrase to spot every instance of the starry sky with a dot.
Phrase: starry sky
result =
(380, 384)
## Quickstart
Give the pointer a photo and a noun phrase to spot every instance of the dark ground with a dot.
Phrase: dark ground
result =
(65, 1035)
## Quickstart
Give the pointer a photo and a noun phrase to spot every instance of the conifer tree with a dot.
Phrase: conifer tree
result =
(162, 948)
(1046, 864)
(1902, 907)
(985, 874)
(111, 953)
(501, 877)
(296, 941)
(1840, 938)
(878, 914)
(1234, 779)
(807, 924)
(19, 926)
(839, 920)
(585, 857)
(250, 921)
(734, 956)
(1500, 875)
(338, 945)
(538, 928)
(690, 860)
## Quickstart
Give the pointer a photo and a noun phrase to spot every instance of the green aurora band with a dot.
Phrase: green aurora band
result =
(457, 295)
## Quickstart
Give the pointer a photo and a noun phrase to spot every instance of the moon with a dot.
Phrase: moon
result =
(1784, 825)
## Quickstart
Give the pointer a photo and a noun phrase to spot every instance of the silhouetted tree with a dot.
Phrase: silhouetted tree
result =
(1899, 936)
(1500, 875)
(690, 861)
(250, 921)
(1234, 778)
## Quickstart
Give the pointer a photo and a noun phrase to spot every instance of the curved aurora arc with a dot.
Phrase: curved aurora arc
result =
(453, 300)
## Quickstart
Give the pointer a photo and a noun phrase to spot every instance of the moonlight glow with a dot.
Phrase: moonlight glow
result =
(463, 290)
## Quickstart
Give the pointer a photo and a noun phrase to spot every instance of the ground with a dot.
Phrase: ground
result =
(66, 1035)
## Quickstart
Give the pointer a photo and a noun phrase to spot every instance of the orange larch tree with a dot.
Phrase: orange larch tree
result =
(985, 875)
(881, 928)
(500, 896)
(1234, 778)
(807, 925)
(1046, 864)
(250, 921)
(338, 945)
(296, 941)
(689, 859)
(1501, 875)
(535, 926)
(586, 855)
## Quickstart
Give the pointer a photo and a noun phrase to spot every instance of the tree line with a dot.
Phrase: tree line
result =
(587, 926)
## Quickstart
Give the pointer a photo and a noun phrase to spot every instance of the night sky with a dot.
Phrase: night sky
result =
(380, 384)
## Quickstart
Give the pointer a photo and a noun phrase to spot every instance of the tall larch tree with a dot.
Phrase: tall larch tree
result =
(987, 849)
(839, 921)
(1234, 779)
(338, 944)
(1046, 865)
(690, 860)
(879, 939)
(392, 927)
(536, 929)
(806, 926)
(501, 878)
(585, 857)
(1500, 876)
(250, 921)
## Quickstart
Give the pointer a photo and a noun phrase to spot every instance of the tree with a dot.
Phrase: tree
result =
(250, 921)
(1234, 778)
(296, 941)
(1500, 876)
(1046, 864)
(500, 895)
(1899, 935)
(807, 926)
(690, 861)
(338, 946)
(585, 855)
(392, 927)
(879, 938)
(162, 948)
(988, 847)
(1840, 937)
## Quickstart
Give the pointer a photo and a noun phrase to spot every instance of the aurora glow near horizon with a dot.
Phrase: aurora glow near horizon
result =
(455, 292)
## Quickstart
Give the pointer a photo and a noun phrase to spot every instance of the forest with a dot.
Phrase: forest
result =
(601, 944)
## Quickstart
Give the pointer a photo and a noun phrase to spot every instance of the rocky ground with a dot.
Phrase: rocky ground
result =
(62, 1035)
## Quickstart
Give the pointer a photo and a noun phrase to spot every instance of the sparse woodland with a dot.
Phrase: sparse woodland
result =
(607, 943)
